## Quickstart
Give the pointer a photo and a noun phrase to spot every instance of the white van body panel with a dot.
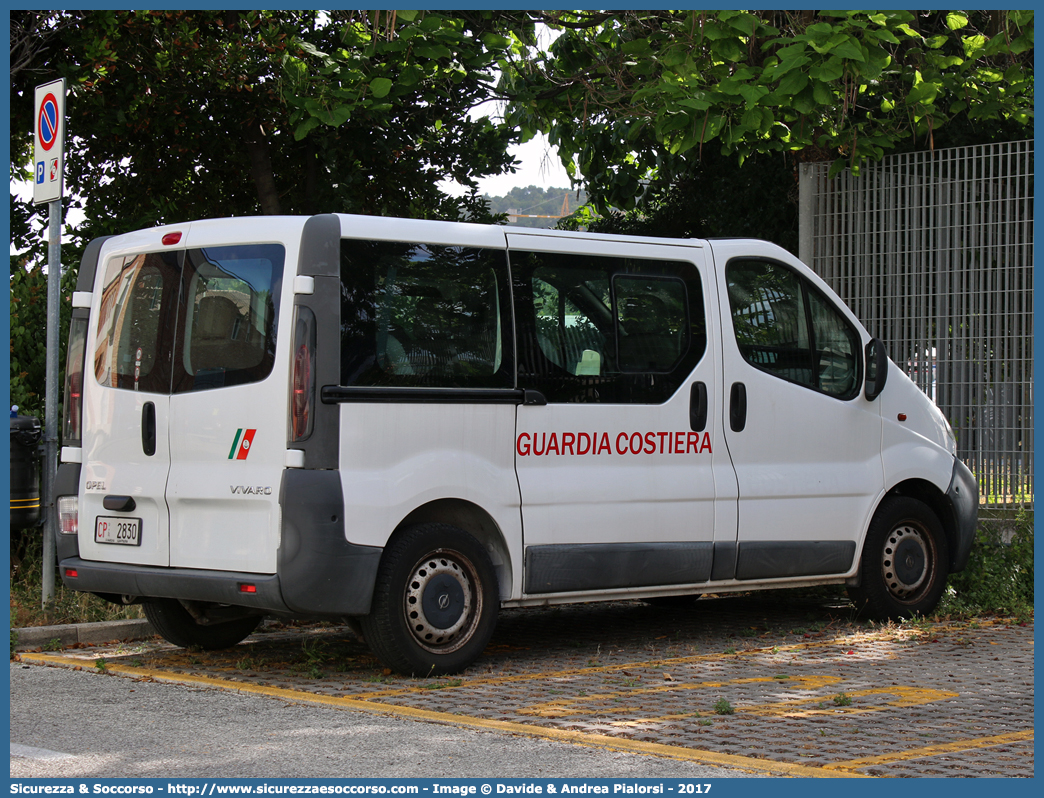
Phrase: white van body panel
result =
(114, 464)
(396, 458)
(422, 231)
(920, 446)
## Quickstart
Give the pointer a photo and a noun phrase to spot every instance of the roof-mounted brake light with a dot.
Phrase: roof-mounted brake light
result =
(170, 239)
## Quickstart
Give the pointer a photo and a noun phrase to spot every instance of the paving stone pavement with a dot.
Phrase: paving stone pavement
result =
(768, 677)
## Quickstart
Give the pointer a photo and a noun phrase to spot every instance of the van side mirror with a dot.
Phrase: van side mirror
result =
(876, 369)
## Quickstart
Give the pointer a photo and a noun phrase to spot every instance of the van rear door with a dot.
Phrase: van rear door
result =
(126, 457)
(185, 432)
(228, 408)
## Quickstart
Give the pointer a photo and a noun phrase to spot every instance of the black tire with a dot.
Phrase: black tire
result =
(435, 602)
(904, 564)
(174, 623)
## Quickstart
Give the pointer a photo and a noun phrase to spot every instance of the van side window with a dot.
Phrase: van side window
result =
(605, 329)
(419, 315)
(651, 323)
(785, 327)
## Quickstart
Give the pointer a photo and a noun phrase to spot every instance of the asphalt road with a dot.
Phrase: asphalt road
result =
(84, 724)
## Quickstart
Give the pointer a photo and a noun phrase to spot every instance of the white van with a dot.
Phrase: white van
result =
(415, 423)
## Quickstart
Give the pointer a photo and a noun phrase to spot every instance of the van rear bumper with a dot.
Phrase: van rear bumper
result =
(221, 587)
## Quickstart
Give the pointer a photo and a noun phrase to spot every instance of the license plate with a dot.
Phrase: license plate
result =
(121, 531)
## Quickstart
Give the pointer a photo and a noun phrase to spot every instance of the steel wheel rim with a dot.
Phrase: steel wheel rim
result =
(441, 605)
(908, 562)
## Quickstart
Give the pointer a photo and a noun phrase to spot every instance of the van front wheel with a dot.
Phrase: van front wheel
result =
(435, 603)
(177, 626)
(904, 563)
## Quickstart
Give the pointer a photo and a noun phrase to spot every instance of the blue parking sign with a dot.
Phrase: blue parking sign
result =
(49, 141)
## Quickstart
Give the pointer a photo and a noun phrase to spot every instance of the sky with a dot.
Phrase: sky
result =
(538, 165)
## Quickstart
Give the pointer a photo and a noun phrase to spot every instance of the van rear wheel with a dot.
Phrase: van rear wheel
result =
(177, 626)
(904, 564)
(435, 603)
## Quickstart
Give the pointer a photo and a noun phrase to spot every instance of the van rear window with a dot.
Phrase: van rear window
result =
(189, 320)
(419, 315)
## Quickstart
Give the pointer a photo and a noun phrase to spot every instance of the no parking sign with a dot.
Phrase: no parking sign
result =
(49, 151)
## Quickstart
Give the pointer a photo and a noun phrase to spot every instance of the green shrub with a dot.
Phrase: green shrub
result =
(999, 575)
(69, 606)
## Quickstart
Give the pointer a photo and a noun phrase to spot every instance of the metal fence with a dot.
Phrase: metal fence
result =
(934, 253)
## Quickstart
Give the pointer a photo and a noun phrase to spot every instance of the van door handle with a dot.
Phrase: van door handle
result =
(738, 407)
(698, 407)
(119, 504)
(148, 429)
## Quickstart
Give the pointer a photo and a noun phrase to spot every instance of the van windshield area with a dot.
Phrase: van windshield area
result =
(189, 320)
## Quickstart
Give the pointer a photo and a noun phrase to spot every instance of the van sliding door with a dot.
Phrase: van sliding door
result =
(622, 470)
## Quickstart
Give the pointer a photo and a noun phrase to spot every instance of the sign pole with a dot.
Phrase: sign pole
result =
(49, 185)
(50, 436)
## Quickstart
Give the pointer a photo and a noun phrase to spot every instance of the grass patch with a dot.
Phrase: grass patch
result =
(68, 606)
(998, 577)
(723, 707)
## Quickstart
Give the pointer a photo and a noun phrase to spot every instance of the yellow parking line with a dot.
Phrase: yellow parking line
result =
(558, 735)
(849, 641)
(933, 750)
(595, 669)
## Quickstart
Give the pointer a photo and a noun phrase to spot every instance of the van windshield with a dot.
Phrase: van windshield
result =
(189, 320)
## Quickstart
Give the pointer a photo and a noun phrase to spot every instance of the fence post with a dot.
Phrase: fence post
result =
(806, 217)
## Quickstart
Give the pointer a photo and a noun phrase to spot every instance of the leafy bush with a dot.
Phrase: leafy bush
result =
(29, 336)
(999, 575)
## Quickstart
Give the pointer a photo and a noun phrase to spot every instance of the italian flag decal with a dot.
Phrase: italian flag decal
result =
(241, 445)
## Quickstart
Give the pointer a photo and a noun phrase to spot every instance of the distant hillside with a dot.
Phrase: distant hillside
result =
(537, 207)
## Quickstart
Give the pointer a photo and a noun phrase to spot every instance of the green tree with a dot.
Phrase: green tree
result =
(177, 115)
(192, 114)
(632, 96)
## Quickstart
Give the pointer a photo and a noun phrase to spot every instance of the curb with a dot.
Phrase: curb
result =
(70, 634)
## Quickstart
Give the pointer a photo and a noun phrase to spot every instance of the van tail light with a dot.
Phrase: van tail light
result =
(68, 515)
(302, 387)
(73, 415)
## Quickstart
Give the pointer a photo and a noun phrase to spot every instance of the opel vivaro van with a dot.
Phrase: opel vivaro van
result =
(415, 423)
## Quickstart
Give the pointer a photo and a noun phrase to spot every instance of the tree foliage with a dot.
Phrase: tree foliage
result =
(178, 115)
(634, 94)
(193, 114)
(29, 335)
